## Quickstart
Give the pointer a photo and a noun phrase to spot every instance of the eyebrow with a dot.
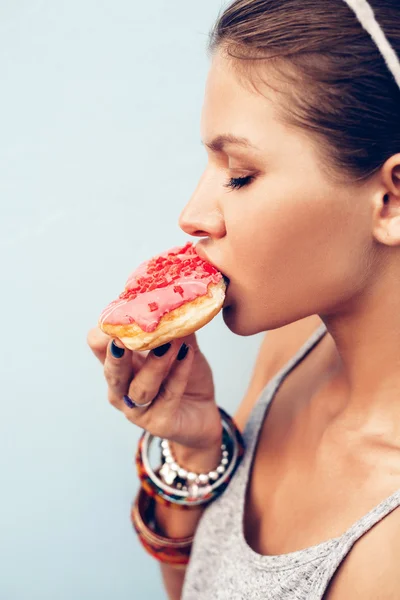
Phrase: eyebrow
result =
(219, 142)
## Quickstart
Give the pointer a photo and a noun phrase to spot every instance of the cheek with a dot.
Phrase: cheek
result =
(291, 258)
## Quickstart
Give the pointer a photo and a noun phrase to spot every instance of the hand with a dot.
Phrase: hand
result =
(183, 408)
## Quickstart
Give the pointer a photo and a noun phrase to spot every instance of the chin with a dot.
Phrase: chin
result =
(239, 326)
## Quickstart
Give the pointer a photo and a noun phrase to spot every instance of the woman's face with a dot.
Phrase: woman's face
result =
(292, 242)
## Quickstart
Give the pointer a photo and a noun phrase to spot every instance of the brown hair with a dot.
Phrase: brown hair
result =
(343, 91)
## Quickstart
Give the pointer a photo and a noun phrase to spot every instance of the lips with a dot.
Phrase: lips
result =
(204, 256)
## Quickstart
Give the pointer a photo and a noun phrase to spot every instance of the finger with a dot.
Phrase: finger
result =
(98, 342)
(191, 340)
(138, 358)
(173, 387)
(118, 372)
(145, 386)
(159, 416)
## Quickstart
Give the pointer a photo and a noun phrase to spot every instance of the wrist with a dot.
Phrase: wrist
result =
(198, 460)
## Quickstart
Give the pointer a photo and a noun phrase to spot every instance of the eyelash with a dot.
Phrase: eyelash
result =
(235, 183)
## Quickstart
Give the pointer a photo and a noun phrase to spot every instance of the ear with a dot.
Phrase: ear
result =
(386, 214)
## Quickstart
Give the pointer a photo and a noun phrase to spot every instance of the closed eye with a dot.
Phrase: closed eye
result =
(235, 183)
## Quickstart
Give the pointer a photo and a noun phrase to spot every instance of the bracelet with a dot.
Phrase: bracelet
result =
(196, 493)
(170, 469)
(171, 551)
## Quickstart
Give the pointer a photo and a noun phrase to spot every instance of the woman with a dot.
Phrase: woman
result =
(299, 206)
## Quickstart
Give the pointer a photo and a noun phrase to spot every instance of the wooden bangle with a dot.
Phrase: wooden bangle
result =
(172, 551)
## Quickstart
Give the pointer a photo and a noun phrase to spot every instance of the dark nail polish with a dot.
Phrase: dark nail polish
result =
(183, 350)
(128, 402)
(161, 350)
(116, 351)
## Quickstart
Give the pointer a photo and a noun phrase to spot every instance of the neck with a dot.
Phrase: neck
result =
(367, 341)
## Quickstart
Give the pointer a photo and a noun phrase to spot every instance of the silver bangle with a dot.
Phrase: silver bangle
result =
(195, 493)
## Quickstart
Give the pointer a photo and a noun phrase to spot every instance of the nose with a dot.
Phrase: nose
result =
(202, 215)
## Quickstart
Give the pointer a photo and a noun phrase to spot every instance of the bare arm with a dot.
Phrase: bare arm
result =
(175, 523)
(277, 346)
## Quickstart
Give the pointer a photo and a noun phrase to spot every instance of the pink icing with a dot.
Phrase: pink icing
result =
(174, 277)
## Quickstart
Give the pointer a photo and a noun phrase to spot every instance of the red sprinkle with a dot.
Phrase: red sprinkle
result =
(163, 271)
(178, 289)
(153, 306)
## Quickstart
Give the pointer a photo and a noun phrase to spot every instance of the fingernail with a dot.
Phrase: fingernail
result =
(128, 402)
(161, 350)
(183, 350)
(116, 351)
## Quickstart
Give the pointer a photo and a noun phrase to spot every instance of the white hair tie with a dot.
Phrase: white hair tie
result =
(366, 16)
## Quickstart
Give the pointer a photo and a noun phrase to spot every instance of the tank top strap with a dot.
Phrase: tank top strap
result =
(257, 415)
(345, 542)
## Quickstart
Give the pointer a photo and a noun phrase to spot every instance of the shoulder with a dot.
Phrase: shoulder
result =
(371, 569)
(277, 347)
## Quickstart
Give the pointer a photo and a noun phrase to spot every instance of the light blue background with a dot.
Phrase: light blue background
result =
(99, 151)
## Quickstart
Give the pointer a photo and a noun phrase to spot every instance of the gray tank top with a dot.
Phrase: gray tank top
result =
(224, 567)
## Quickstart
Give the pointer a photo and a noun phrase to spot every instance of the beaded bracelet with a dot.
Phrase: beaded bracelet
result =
(171, 471)
(172, 551)
(194, 495)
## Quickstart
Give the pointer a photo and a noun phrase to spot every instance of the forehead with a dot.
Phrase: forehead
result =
(232, 105)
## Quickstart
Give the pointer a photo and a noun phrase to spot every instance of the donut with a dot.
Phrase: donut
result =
(169, 296)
